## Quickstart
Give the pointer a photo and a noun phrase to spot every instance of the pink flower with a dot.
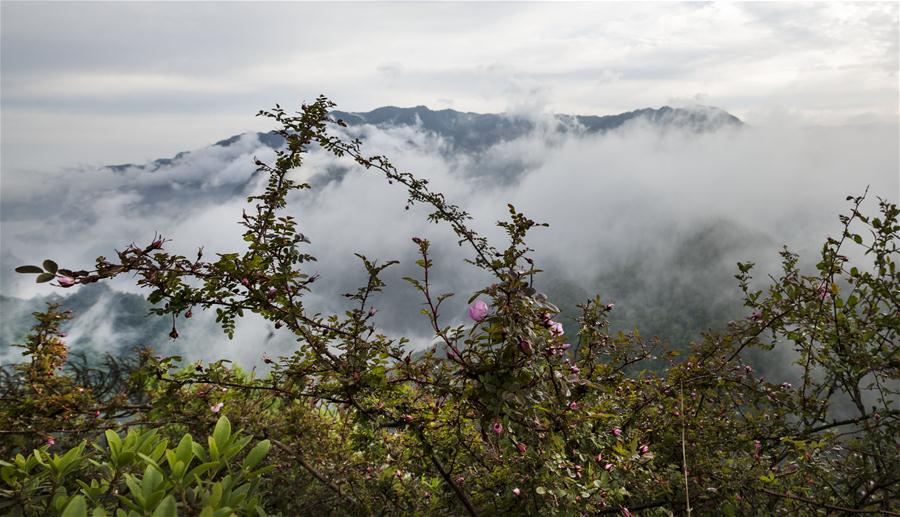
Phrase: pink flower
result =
(51, 441)
(408, 419)
(497, 427)
(643, 449)
(521, 447)
(575, 368)
(188, 314)
(564, 346)
(599, 457)
(573, 405)
(65, 281)
(556, 328)
(625, 512)
(610, 306)
(215, 408)
(478, 311)
(525, 346)
(516, 491)
(616, 431)
(245, 281)
(608, 467)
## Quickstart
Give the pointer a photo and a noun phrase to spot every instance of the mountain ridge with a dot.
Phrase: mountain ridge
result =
(475, 132)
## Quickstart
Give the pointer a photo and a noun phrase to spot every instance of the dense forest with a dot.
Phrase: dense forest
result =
(525, 410)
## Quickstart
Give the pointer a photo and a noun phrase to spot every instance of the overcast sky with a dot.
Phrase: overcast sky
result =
(99, 83)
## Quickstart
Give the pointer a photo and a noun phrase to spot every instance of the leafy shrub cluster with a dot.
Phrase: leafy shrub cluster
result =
(511, 414)
(138, 475)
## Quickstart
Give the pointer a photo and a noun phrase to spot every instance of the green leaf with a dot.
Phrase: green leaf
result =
(166, 508)
(45, 277)
(222, 432)
(114, 443)
(185, 450)
(256, 454)
(50, 266)
(540, 490)
(77, 507)
(29, 269)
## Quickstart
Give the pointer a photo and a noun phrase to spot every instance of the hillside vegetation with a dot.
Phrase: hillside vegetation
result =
(513, 413)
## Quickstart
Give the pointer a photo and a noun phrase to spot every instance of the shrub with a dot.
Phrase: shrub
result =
(514, 414)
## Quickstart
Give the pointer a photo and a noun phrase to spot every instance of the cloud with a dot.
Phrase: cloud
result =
(86, 83)
(644, 216)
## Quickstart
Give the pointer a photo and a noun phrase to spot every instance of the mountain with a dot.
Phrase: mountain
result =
(134, 200)
(476, 132)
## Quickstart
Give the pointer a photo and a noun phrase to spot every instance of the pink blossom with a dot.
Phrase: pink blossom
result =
(245, 281)
(478, 311)
(616, 431)
(188, 314)
(564, 346)
(51, 441)
(556, 328)
(610, 306)
(65, 281)
(521, 447)
(625, 512)
(407, 418)
(608, 467)
(516, 491)
(643, 449)
(575, 368)
(497, 427)
(215, 408)
(573, 405)
(599, 457)
(525, 346)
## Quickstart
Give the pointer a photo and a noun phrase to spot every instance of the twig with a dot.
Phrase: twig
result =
(687, 494)
(825, 505)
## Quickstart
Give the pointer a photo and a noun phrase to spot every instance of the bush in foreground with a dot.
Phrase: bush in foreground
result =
(514, 414)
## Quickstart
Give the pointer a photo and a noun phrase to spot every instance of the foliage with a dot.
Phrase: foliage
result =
(513, 415)
(138, 475)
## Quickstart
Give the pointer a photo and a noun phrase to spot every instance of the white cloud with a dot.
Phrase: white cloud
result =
(133, 71)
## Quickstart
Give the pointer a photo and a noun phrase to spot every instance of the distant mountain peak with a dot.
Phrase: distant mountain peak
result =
(476, 132)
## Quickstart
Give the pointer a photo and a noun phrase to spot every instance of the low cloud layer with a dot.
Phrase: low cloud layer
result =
(674, 209)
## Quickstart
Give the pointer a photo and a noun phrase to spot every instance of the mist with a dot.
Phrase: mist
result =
(648, 217)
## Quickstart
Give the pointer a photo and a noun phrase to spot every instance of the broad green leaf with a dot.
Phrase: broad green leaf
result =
(50, 266)
(256, 454)
(77, 507)
(166, 508)
(222, 432)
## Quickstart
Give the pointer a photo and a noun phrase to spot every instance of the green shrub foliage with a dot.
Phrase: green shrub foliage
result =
(510, 414)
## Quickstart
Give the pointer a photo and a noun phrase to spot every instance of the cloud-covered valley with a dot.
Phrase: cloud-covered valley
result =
(652, 216)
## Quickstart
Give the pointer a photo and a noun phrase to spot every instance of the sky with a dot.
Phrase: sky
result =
(91, 84)
(102, 83)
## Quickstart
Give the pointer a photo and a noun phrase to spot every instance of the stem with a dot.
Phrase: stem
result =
(687, 494)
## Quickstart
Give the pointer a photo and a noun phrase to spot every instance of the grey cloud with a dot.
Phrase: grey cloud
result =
(645, 217)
